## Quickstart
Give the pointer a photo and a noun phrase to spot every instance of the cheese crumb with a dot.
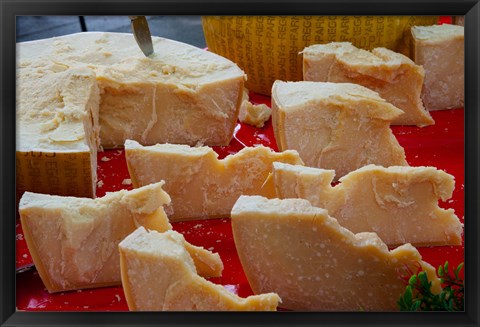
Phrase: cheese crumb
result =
(105, 159)
(254, 114)
(127, 181)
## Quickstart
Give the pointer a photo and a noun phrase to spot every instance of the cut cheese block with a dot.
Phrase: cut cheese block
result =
(339, 126)
(301, 253)
(181, 94)
(57, 130)
(200, 185)
(394, 76)
(440, 50)
(158, 274)
(73, 241)
(400, 204)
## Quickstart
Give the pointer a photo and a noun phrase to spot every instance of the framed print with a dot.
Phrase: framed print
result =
(193, 153)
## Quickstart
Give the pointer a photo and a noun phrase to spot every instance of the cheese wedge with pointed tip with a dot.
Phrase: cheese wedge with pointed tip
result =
(158, 274)
(200, 185)
(301, 253)
(73, 241)
(400, 204)
(394, 76)
(339, 126)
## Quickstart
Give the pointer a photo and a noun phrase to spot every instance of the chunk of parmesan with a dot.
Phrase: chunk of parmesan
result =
(200, 185)
(301, 253)
(400, 204)
(339, 126)
(440, 50)
(73, 241)
(394, 76)
(158, 274)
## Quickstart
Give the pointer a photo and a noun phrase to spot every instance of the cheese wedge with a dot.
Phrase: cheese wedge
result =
(394, 76)
(400, 204)
(57, 130)
(73, 241)
(172, 96)
(200, 185)
(158, 274)
(301, 253)
(440, 50)
(339, 126)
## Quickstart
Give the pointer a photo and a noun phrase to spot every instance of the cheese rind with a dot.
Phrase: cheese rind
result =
(73, 241)
(400, 204)
(200, 185)
(440, 50)
(313, 263)
(57, 130)
(158, 275)
(394, 76)
(338, 126)
(168, 97)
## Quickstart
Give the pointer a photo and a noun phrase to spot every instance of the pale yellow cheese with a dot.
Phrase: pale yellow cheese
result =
(200, 185)
(254, 114)
(339, 126)
(73, 241)
(158, 274)
(394, 76)
(57, 130)
(301, 253)
(440, 50)
(400, 204)
(181, 94)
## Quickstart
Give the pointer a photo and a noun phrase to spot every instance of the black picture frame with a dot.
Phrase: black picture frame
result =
(12, 8)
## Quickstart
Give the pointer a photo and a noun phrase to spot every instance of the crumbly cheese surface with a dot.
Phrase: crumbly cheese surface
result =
(394, 76)
(254, 114)
(158, 274)
(440, 50)
(168, 97)
(200, 185)
(339, 126)
(73, 241)
(400, 204)
(57, 129)
(313, 263)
